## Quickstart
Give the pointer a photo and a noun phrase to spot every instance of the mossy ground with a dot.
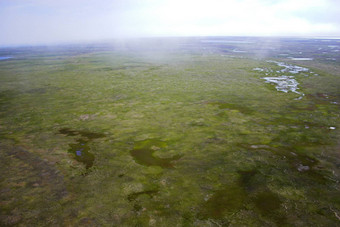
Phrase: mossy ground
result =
(220, 147)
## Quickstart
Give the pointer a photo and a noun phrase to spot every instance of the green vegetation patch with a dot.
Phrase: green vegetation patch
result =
(143, 153)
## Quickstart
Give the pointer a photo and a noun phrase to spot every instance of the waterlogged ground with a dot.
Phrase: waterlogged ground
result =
(174, 137)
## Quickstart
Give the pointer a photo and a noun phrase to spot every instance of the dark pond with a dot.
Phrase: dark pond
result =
(80, 149)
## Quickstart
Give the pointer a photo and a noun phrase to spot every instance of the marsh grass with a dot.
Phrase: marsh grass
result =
(179, 139)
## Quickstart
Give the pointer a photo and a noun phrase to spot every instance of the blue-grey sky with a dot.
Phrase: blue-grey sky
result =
(53, 21)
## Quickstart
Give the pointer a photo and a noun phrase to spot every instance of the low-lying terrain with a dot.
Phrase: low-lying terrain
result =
(212, 131)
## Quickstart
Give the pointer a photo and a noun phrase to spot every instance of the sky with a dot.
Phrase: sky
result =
(56, 21)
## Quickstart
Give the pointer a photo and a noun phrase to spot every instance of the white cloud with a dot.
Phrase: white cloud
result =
(29, 21)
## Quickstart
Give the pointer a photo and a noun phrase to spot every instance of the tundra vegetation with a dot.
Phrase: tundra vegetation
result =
(171, 132)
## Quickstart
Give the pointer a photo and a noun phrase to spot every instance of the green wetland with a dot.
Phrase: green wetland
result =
(171, 132)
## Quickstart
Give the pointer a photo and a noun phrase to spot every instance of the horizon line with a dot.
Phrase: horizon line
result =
(93, 41)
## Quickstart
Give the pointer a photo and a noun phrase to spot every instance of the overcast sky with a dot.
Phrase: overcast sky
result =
(52, 21)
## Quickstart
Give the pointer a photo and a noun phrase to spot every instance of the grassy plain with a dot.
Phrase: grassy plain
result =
(175, 137)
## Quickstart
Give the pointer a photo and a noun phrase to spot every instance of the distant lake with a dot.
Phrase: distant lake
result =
(301, 59)
(4, 57)
(225, 41)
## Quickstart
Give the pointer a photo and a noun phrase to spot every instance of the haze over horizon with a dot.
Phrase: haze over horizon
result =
(47, 21)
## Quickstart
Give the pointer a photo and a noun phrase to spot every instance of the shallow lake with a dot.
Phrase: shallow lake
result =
(5, 57)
